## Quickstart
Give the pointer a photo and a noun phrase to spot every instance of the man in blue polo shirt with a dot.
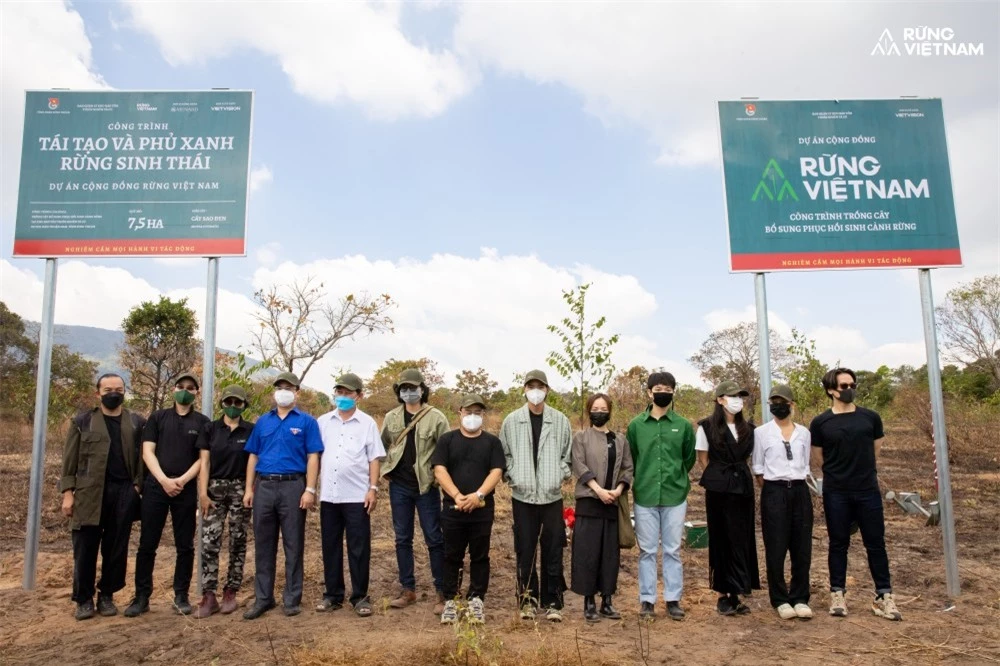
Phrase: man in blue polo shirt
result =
(284, 450)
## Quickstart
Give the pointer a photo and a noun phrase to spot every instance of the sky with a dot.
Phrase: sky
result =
(473, 160)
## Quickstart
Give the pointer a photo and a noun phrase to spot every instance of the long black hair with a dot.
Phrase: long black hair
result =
(716, 426)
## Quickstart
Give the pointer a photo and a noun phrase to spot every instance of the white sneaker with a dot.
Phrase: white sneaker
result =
(553, 614)
(838, 607)
(450, 613)
(527, 612)
(802, 611)
(886, 607)
(476, 611)
(786, 612)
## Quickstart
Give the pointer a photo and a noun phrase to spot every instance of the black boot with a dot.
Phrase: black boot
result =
(590, 610)
(607, 610)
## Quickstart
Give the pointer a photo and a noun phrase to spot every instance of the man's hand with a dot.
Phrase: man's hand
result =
(468, 504)
(172, 487)
(206, 505)
(371, 498)
(307, 501)
(248, 498)
(67, 504)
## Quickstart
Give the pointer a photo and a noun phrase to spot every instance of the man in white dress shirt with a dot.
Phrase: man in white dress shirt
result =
(780, 461)
(349, 473)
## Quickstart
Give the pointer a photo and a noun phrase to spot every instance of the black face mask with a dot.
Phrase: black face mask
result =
(662, 399)
(781, 409)
(598, 419)
(112, 400)
(847, 395)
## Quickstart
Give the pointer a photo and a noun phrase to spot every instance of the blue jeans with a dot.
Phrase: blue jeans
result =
(403, 502)
(864, 507)
(655, 525)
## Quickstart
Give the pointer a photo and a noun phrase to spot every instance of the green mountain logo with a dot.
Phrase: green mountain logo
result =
(774, 175)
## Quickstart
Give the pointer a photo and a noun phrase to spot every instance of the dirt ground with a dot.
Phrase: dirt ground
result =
(38, 627)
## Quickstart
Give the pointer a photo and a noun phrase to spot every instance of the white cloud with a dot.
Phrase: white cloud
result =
(267, 254)
(332, 52)
(260, 177)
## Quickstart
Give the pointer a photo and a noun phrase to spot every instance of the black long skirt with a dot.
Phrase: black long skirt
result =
(595, 556)
(732, 543)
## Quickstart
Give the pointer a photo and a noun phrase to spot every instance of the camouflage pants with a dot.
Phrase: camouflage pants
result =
(227, 498)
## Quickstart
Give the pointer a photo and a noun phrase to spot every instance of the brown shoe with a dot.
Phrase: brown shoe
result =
(439, 604)
(209, 604)
(405, 598)
(228, 602)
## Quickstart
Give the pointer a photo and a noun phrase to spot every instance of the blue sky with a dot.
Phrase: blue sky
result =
(575, 142)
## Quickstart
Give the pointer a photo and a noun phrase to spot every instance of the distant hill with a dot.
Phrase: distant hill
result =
(101, 345)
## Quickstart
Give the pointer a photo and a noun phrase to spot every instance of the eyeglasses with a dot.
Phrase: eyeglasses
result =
(844, 387)
(788, 449)
(232, 402)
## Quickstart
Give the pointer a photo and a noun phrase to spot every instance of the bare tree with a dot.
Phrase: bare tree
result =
(969, 321)
(733, 353)
(299, 325)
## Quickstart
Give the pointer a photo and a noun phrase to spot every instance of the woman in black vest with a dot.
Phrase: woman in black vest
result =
(724, 442)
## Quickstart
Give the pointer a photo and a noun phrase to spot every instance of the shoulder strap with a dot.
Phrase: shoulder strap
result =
(413, 423)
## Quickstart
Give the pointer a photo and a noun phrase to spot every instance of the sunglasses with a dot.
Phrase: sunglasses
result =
(232, 402)
(844, 387)
(788, 449)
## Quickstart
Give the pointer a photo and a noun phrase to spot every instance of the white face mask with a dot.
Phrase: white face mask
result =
(734, 405)
(472, 422)
(535, 396)
(284, 397)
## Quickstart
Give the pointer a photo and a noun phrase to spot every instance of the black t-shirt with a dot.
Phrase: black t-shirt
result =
(469, 460)
(226, 456)
(404, 472)
(116, 471)
(176, 438)
(536, 431)
(848, 443)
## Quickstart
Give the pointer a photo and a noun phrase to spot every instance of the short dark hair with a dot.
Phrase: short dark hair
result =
(664, 378)
(108, 375)
(599, 396)
(830, 378)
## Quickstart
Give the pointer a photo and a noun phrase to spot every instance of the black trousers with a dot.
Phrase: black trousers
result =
(595, 556)
(460, 535)
(276, 511)
(335, 521)
(539, 535)
(183, 510)
(732, 543)
(786, 523)
(110, 538)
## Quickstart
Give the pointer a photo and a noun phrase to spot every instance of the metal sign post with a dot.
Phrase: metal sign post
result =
(764, 341)
(41, 422)
(940, 434)
(208, 377)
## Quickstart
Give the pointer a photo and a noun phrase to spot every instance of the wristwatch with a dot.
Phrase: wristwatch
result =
(373, 489)
(482, 497)
(311, 491)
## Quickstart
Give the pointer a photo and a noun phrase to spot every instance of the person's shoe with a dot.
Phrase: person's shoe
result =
(106, 605)
(885, 606)
(553, 614)
(405, 598)
(838, 607)
(803, 612)
(85, 610)
(590, 610)
(137, 607)
(786, 612)
(207, 606)
(725, 607)
(449, 615)
(181, 604)
(608, 610)
(228, 602)
(291, 611)
(328, 605)
(439, 603)
(647, 611)
(257, 610)
(674, 610)
(527, 611)
(477, 612)
(740, 607)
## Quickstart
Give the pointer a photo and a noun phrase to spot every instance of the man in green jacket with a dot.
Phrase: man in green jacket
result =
(538, 448)
(409, 434)
(662, 445)
(101, 476)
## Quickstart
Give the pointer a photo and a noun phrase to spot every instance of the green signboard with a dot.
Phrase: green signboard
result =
(837, 184)
(110, 173)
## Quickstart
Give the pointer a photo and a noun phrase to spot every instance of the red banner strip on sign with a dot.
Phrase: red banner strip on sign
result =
(170, 247)
(791, 261)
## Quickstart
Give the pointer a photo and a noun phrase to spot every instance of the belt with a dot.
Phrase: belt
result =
(280, 477)
(786, 484)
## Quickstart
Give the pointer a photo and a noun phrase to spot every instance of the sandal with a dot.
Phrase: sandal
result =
(363, 608)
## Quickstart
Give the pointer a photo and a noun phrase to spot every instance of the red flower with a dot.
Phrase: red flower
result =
(569, 517)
